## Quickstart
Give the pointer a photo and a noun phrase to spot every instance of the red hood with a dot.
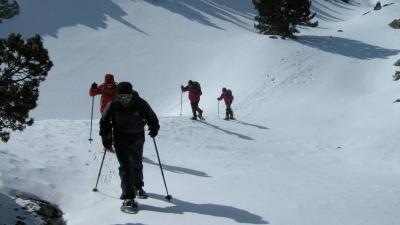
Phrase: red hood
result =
(108, 78)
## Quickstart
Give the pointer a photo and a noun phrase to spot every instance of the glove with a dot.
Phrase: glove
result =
(107, 142)
(153, 132)
(94, 85)
(110, 150)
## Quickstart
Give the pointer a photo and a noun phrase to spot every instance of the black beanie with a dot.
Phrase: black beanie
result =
(124, 88)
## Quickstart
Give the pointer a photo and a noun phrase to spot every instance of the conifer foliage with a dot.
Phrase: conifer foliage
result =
(280, 17)
(23, 65)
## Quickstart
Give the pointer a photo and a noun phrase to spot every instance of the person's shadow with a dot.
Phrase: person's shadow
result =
(210, 209)
(177, 169)
(252, 125)
(241, 136)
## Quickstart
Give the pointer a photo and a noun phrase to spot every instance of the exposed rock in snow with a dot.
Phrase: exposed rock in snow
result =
(395, 24)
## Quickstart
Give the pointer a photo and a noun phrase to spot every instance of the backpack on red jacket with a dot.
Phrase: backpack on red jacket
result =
(229, 94)
(196, 87)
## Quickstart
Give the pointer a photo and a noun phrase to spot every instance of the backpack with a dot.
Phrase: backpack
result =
(229, 93)
(196, 86)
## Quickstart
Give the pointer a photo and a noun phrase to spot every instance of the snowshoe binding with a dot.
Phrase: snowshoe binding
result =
(130, 206)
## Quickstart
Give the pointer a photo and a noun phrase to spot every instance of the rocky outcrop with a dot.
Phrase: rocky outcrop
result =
(395, 24)
(378, 6)
(48, 212)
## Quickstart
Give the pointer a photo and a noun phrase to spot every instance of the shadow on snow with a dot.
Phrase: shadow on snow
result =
(48, 16)
(346, 47)
(201, 10)
(181, 207)
(177, 169)
(253, 125)
(228, 132)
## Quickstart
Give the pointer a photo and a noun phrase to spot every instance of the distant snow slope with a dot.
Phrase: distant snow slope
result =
(317, 137)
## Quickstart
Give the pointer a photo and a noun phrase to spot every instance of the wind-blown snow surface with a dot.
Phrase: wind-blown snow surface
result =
(317, 136)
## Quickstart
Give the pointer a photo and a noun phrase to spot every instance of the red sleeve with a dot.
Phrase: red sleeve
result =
(97, 91)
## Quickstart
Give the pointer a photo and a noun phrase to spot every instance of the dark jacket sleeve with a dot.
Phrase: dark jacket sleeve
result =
(150, 116)
(184, 89)
(105, 121)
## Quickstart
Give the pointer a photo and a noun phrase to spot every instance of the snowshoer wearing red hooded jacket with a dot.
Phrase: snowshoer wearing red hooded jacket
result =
(228, 99)
(194, 90)
(107, 90)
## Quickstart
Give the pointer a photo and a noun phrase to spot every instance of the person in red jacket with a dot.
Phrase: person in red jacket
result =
(194, 90)
(107, 90)
(228, 99)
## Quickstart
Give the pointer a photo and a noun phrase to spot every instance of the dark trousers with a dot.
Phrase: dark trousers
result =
(229, 111)
(130, 166)
(195, 108)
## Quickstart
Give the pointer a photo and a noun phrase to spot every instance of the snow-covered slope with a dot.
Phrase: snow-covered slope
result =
(317, 142)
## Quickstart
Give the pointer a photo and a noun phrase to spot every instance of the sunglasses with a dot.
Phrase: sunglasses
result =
(124, 97)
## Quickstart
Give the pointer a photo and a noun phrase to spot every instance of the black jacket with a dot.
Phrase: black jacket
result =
(127, 122)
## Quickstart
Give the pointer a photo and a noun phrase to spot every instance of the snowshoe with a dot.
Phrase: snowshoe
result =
(130, 206)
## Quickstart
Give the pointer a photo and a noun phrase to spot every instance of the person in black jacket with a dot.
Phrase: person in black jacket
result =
(123, 122)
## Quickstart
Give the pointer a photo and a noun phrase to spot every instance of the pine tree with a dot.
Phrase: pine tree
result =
(280, 17)
(23, 65)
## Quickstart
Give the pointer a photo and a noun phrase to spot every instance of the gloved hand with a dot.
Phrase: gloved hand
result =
(94, 85)
(110, 150)
(107, 142)
(182, 87)
(153, 132)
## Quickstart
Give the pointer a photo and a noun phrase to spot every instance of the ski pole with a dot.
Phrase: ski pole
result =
(218, 108)
(168, 197)
(91, 122)
(181, 103)
(101, 166)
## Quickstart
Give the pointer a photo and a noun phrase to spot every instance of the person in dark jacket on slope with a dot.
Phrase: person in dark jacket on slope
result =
(194, 90)
(228, 99)
(125, 117)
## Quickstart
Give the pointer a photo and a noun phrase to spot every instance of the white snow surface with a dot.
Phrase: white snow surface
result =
(316, 140)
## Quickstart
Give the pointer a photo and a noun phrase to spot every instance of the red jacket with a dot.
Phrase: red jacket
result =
(107, 90)
(228, 97)
(194, 95)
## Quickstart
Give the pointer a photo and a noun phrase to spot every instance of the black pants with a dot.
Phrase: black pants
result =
(130, 156)
(195, 108)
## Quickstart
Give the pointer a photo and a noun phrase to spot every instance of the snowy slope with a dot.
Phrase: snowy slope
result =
(318, 139)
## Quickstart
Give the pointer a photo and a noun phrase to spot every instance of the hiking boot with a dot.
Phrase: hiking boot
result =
(201, 114)
(194, 118)
(125, 196)
(226, 118)
(140, 193)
